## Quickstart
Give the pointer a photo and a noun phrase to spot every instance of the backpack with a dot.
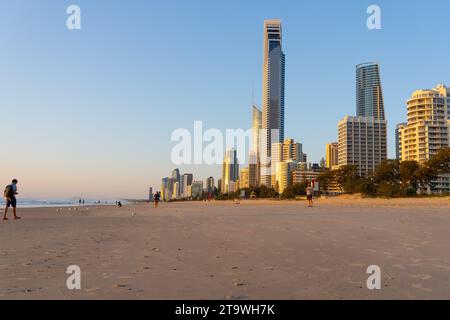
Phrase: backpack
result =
(9, 192)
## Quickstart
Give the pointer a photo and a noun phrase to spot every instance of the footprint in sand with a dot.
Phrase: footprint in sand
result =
(421, 276)
(421, 287)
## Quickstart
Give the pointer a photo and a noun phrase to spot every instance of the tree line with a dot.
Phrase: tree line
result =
(391, 178)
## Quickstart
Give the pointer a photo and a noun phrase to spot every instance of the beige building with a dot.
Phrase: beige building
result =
(284, 172)
(362, 142)
(427, 128)
(289, 150)
(332, 156)
(244, 178)
(427, 131)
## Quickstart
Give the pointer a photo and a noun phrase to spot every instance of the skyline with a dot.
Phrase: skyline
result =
(93, 77)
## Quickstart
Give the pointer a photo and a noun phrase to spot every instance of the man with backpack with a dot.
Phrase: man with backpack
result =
(10, 199)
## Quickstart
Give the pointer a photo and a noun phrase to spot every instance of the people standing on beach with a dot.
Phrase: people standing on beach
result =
(82, 201)
(309, 196)
(79, 202)
(156, 199)
(10, 199)
(119, 204)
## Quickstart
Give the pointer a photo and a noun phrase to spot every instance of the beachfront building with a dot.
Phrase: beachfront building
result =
(196, 189)
(273, 95)
(362, 143)
(175, 179)
(230, 170)
(244, 178)
(219, 186)
(150, 194)
(427, 130)
(210, 186)
(187, 181)
(289, 150)
(284, 171)
(332, 156)
(253, 170)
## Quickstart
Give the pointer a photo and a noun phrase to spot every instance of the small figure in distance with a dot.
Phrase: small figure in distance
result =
(309, 196)
(156, 199)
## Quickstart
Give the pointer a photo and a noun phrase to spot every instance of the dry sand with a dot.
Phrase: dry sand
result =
(220, 250)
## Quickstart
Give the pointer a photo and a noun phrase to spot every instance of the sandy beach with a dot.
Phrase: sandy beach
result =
(221, 250)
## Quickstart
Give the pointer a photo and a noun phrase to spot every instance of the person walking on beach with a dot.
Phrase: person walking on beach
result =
(156, 198)
(10, 199)
(309, 196)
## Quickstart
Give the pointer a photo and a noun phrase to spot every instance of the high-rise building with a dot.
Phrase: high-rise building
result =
(293, 151)
(289, 150)
(444, 92)
(332, 156)
(176, 178)
(427, 128)
(254, 155)
(165, 186)
(187, 181)
(197, 189)
(230, 170)
(176, 190)
(284, 174)
(273, 95)
(369, 93)
(398, 140)
(150, 194)
(253, 170)
(362, 143)
(210, 185)
(219, 186)
(256, 129)
(244, 178)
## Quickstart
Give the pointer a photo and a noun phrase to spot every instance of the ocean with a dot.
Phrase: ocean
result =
(40, 203)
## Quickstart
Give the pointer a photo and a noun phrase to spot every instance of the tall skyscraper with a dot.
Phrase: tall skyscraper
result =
(187, 181)
(362, 139)
(362, 143)
(176, 179)
(273, 94)
(254, 155)
(369, 94)
(332, 156)
(165, 189)
(230, 170)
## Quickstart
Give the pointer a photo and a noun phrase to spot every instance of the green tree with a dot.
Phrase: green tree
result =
(409, 179)
(348, 179)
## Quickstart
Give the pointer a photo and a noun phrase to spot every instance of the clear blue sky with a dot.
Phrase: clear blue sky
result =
(96, 107)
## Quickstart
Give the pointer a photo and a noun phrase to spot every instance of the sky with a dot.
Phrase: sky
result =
(90, 112)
